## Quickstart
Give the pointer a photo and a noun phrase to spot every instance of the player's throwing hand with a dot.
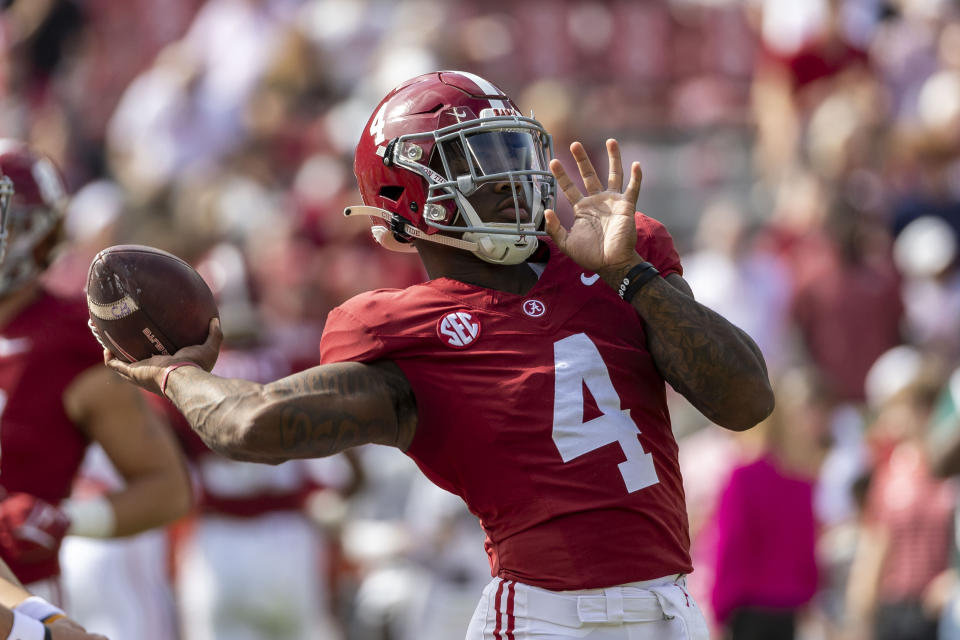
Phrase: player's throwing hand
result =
(603, 237)
(152, 373)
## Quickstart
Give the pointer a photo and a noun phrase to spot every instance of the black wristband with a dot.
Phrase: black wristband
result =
(638, 276)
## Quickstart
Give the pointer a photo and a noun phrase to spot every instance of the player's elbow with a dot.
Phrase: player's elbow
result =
(753, 405)
(250, 440)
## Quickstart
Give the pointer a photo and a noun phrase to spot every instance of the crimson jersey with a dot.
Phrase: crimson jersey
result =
(42, 350)
(544, 412)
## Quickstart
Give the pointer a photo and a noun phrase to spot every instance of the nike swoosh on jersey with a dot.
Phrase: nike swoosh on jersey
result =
(9, 347)
(589, 281)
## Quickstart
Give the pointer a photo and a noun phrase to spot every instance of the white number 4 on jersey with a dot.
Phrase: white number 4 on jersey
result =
(577, 362)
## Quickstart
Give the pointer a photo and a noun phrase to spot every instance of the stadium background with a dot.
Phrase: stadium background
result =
(805, 156)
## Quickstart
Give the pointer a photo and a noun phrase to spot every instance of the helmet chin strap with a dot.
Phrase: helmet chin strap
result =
(410, 230)
(485, 247)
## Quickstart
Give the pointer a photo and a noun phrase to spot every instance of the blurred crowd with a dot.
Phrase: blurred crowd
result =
(805, 156)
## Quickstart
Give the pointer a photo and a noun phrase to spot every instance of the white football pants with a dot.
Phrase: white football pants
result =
(120, 587)
(651, 610)
(258, 578)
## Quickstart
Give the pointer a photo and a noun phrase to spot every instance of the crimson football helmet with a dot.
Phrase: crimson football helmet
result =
(33, 200)
(433, 142)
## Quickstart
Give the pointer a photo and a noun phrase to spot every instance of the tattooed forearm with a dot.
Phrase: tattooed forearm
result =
(714, 364)
(328, 409)
(315, 413)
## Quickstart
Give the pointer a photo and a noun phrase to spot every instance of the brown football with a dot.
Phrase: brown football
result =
(145, 302)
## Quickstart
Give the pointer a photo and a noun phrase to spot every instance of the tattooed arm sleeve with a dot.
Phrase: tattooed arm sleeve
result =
(712, 363)
(314, 413)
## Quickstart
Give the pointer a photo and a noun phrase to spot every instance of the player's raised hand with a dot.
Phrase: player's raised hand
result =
(150, 373)
(603, 237)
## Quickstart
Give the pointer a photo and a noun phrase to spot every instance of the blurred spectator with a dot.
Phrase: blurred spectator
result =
(943, 445)
(846, 274)
(808, 49)
(895, 588)
(926, 253)
(747, 285)
(186, 111)
(765, 569)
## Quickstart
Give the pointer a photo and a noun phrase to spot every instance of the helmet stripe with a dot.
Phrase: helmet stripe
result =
(488, 88)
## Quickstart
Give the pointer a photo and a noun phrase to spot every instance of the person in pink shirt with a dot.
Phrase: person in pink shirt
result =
(765, 565)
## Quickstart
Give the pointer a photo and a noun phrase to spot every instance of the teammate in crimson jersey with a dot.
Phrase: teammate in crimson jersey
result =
(56, 397)
(23, 615)
(527, 376)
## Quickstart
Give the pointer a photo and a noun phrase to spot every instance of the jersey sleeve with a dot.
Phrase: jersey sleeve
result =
(655, 245)
(347, 339)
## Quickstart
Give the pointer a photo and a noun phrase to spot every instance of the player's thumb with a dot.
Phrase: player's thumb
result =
(214, 334)
(554, 228)
(210, 349)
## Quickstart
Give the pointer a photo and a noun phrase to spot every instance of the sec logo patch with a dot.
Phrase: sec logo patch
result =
(458, 329)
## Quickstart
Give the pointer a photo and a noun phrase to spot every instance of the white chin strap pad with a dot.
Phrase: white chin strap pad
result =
(493, 248)
(386, 239)
(502, 249)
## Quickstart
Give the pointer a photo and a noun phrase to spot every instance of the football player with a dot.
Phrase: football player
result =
(527, 376)
(56, 398)
(23, 615)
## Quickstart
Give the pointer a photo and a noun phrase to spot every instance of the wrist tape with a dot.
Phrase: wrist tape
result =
(39, 609)
(90, 517)
(26, 628)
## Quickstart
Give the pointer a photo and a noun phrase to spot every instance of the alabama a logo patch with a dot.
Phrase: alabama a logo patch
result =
(534, 308)
(458, 329)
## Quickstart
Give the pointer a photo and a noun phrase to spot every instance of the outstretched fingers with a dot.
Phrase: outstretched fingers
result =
(564, 183)
(555, 228)
(615, 179)
(590, 179)
(633, 187)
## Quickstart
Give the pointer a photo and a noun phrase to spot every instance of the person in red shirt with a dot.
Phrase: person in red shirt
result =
(526, 376)
(56, 397)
